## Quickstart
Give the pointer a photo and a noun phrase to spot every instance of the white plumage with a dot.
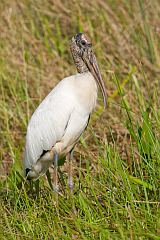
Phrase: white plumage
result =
(63, 115)
(60, 119)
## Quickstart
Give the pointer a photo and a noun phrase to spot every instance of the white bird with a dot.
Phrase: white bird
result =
(58, 122)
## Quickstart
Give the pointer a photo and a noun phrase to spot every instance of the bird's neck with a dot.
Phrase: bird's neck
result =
(80, 65)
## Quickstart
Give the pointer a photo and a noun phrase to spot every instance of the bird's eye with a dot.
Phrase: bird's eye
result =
(83, 43)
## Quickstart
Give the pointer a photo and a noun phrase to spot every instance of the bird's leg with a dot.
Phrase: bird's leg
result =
(49, 179)
(55, 176)
(37, 188)
(70, 172)
(30, 187)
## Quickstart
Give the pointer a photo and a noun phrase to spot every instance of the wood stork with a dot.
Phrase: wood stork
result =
(58, 122)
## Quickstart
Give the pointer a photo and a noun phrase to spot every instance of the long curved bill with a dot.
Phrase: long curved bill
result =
(91, 62)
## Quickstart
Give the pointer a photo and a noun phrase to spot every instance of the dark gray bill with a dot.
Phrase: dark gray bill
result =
(91, 62)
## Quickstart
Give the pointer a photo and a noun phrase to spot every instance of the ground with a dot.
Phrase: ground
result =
(116, 165)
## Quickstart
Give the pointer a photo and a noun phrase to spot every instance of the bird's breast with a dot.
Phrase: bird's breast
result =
(86, 91)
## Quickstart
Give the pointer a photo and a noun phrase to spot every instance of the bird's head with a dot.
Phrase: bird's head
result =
(85, 60)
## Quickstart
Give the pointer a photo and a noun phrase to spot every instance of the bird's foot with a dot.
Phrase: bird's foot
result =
(56, 189)
(71, 188)
(70, 185)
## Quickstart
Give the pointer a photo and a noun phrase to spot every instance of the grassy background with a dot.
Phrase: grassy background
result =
(117, 166)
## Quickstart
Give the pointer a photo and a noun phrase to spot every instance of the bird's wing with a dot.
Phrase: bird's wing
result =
(62, 116)
(76, 125)
(48, 123)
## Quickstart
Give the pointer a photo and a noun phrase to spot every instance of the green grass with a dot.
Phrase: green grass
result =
(117, 162)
